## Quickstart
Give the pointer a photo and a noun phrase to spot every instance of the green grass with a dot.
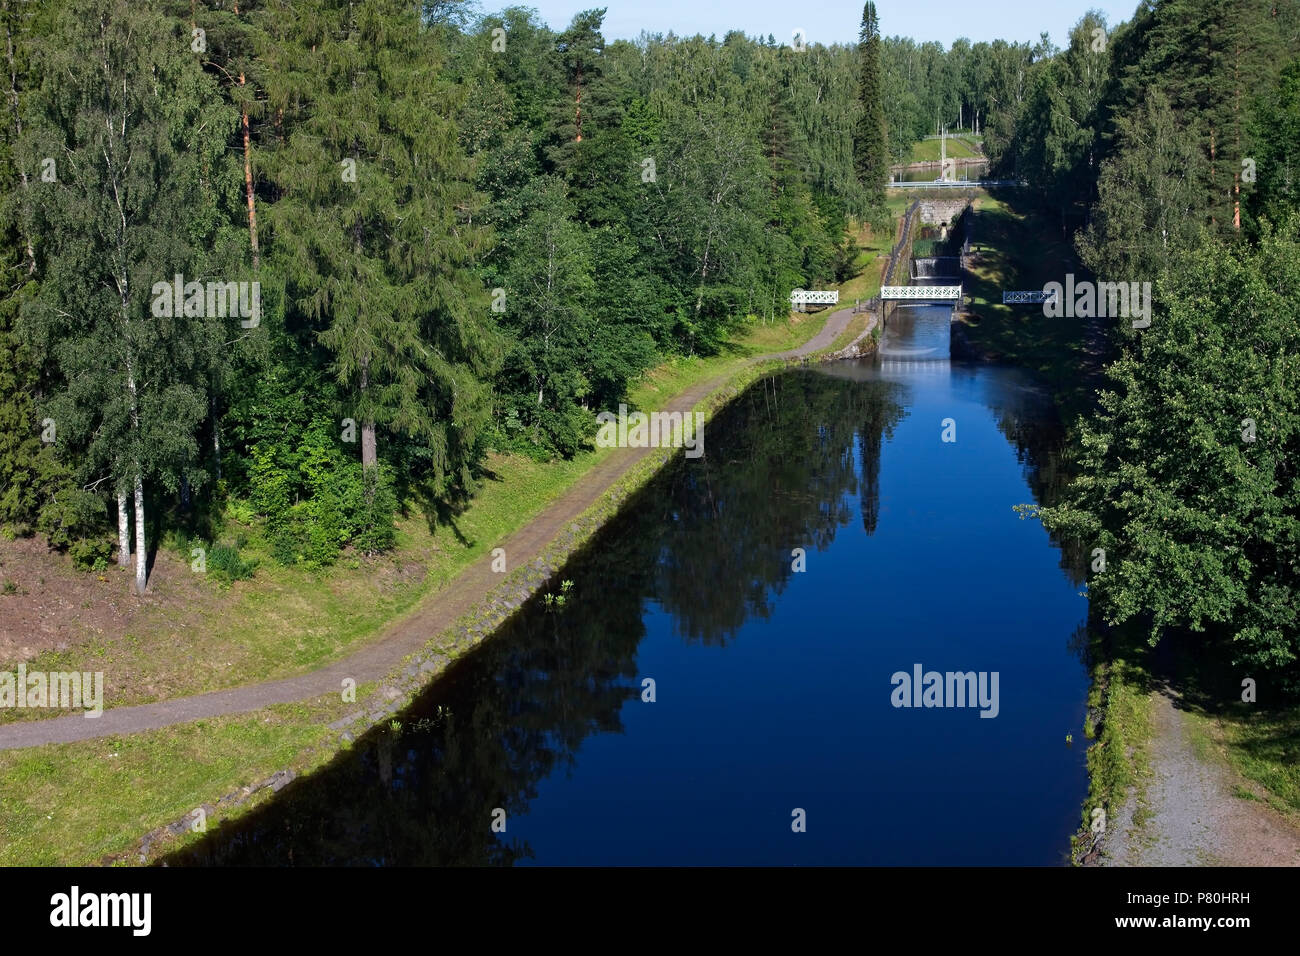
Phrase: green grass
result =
(1118, 760)
(75, 804)
(1259, 741)
(1264, 746)
(927, 151)
(675, 376)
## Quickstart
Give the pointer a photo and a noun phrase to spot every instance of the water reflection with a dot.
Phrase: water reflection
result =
(772, 683)
(709, 541)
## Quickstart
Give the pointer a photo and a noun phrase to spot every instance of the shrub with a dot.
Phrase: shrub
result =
(227, 566)
(315, 501)
(90, 554)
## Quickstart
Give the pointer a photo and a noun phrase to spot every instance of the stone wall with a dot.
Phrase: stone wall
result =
(936, 212)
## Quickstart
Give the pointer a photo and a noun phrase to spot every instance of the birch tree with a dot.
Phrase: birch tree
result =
(120, 116)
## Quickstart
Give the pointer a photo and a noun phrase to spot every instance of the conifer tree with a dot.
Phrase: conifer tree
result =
(870, 158)
(374, 233)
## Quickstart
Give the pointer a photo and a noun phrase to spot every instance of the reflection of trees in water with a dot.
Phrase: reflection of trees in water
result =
(777, 476)
(872, 437)
(502, 719)
(1028, 419)
(709, 539)
(1079, 644)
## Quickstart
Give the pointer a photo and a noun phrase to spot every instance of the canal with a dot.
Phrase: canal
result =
(829, 542)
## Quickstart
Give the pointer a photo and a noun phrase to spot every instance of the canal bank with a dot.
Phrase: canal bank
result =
(701, 683)
(558, 539)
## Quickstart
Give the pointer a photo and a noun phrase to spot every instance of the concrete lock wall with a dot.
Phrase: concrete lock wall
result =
(936, 212)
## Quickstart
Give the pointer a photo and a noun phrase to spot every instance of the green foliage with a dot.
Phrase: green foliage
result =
(315, 501)
(1058, 132)
(225, 564)
(374, 231)
(1276, 128)
(90, 554)
(1188, 479)
(69, 516)
(1148, 196)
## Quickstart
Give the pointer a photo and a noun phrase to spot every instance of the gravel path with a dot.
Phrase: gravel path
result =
(1195, 819)
(433, 616)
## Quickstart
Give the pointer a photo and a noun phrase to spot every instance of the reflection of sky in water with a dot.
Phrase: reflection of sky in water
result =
(916, 333)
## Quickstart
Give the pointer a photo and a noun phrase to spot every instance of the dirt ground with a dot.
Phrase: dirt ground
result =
(56, 607)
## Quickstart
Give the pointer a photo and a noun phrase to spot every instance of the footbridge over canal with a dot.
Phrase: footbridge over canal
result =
(921, 293)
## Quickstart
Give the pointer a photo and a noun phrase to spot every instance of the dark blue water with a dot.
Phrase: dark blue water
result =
(773, 685)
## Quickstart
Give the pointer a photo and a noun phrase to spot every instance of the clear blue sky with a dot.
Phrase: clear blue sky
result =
(834, 21)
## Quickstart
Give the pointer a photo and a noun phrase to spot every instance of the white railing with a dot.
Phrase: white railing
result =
(921, 293)
(806, 297)
(958, 184)
(1019, 298)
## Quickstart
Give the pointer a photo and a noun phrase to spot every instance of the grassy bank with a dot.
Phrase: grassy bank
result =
(75, 804)
(1120, 728)
(79, 803)
(927, 151)
(1262, 746)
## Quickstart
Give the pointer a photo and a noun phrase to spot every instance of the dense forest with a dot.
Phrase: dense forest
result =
(450, 233)
(1166, 148)
(465, 233)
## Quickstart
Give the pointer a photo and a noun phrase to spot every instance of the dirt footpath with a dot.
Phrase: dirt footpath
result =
(1194, 816)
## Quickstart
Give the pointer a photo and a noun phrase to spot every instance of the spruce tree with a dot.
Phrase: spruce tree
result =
(870, 158)
(374, 231)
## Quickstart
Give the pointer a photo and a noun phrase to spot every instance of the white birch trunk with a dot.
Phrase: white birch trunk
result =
(141, 572)
(123, 532)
